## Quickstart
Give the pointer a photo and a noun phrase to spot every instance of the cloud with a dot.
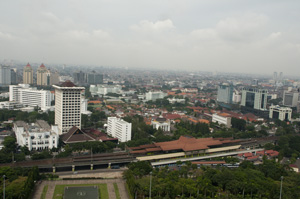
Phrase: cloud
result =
(149, 26)
(241, 28)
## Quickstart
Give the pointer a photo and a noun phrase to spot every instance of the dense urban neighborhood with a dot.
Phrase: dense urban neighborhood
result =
(189, 135)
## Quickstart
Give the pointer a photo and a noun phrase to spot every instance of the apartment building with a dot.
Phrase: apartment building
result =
(119, 128)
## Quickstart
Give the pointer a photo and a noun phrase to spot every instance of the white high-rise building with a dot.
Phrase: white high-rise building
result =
(27, 96)
(37, 136)
(67, 106)
(5, 75)
(119, 128)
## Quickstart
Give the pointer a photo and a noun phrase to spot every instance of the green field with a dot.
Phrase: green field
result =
(59, 190)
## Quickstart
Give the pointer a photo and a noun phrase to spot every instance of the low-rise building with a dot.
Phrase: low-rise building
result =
(36, 136)
(10, 105)
(161, 123)
(155, 95)
(281, 113)
(222, 118)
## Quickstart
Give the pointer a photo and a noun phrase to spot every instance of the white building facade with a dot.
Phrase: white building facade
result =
(222, 119)
(67, 106)
(27, 96)
(119, 128)
(155, 95)
(281, 113)
(161, 123)
(103, 89)
(37, 136)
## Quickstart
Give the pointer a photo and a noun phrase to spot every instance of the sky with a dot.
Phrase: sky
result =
(244, 36)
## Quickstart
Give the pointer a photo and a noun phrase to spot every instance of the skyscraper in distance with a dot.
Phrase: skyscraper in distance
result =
(28, 74)
(41, 76)
(5, 75)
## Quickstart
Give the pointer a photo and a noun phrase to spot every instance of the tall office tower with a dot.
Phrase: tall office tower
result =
(255, 98)
(28, 74)
(79, 77)
(280, 78)
(291, 98)
(23, 94)
(5, 76)
(275, 76)
(225, 93)
(41, 76)
(67, 106)
(54, 78)
(94, 78)
(13, 77)
(119, 128)
(254, 82)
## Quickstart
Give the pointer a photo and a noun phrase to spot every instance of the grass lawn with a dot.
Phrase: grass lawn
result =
(59, 190)
(45, 189)
(117, 191)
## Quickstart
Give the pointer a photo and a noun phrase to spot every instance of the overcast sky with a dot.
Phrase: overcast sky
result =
(247, 36)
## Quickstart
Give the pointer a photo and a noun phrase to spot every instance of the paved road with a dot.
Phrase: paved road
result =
(109, 182)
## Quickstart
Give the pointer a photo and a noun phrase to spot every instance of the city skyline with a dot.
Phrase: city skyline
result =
(228, 36)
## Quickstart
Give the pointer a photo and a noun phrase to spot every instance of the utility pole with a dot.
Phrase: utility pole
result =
(4, 186)
(150, 185)
(281, 187)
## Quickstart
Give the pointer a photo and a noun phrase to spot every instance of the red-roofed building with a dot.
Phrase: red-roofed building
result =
(184, 144)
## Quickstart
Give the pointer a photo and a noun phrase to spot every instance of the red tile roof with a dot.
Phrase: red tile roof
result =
(248, 155)
(253, 157)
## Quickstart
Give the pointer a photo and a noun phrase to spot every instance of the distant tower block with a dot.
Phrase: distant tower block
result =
(28, 74)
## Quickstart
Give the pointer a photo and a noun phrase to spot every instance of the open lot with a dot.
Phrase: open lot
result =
(106, 188)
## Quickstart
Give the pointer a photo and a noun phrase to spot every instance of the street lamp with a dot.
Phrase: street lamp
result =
(4, 186)
(281, 187)
(150, 185)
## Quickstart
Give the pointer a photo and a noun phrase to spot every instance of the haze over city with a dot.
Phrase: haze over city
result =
(207, 35)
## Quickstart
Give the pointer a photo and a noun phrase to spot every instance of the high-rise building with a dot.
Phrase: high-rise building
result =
(291, 98)
(28, 74)
(5, 75)
(119, 128)
(67, 106)
(225, 93)
(255, 98)
(94, 78)
(275, 76)
(13, 75)
(54, 78)
(25, 95)
(79, 77)
(41, 76)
